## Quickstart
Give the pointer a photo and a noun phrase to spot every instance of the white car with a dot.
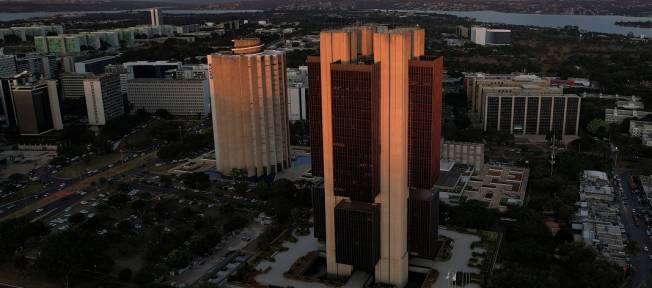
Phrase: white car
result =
(39, 210)
(83, 212)
(84, 202)
(646, 249)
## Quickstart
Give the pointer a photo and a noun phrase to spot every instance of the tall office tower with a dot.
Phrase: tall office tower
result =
(249, 106)
(8, 120)
(37, 107)
(103, 98)
(380, 103)
(156, 16)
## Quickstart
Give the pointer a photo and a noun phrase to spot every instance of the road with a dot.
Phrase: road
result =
(641, 263)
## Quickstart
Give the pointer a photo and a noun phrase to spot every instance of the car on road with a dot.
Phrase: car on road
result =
(86, 212)
(84, 202)
(39, 210)
(646, 249)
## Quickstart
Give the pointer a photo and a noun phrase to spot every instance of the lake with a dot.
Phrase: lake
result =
(592, 23)
(29, 15)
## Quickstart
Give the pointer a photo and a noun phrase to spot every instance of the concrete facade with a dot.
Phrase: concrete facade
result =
(103, 98)
(180, 97)
(464, 152)
(249, 107)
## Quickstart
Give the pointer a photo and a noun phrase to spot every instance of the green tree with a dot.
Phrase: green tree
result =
(65, 254)
(632, 248)
(598, 128)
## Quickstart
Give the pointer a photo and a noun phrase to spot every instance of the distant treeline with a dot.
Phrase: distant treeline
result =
(640, 24)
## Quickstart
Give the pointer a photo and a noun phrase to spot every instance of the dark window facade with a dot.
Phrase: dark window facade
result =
(572, 111)
(519, 115)
(357, 234)
(423, 212)
(492, 113)
(424, 127)
(532, 116)
(355, 115)
(319, 212)
(314, 92)
(506, 114)
(546, 109)
(151, 71)
(558, 116)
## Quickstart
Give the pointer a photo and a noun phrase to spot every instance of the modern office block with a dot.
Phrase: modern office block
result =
(37, 108)
(46, 67)
(180, 97)
(104, 100)
(532, 113)
(379, 104)
(72, 85)
(249, 104)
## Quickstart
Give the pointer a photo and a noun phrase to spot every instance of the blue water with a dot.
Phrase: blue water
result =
(591, 23)
(301, 160)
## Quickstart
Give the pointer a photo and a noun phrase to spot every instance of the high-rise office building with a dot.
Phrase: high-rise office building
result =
(156, 16)
(37, 107)
(378, 100)
(72, 85)
(103, 98)
(249, 105)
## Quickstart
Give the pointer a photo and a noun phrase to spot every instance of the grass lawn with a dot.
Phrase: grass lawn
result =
(9, 275)
(96, 162)
(27, 191)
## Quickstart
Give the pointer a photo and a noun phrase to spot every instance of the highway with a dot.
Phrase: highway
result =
(637, 232)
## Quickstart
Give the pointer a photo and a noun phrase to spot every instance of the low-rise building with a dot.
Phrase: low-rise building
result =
(643, 130)
(595, 185)
(617, 115)
(464, 153)
(597, 220)
(499, 186)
